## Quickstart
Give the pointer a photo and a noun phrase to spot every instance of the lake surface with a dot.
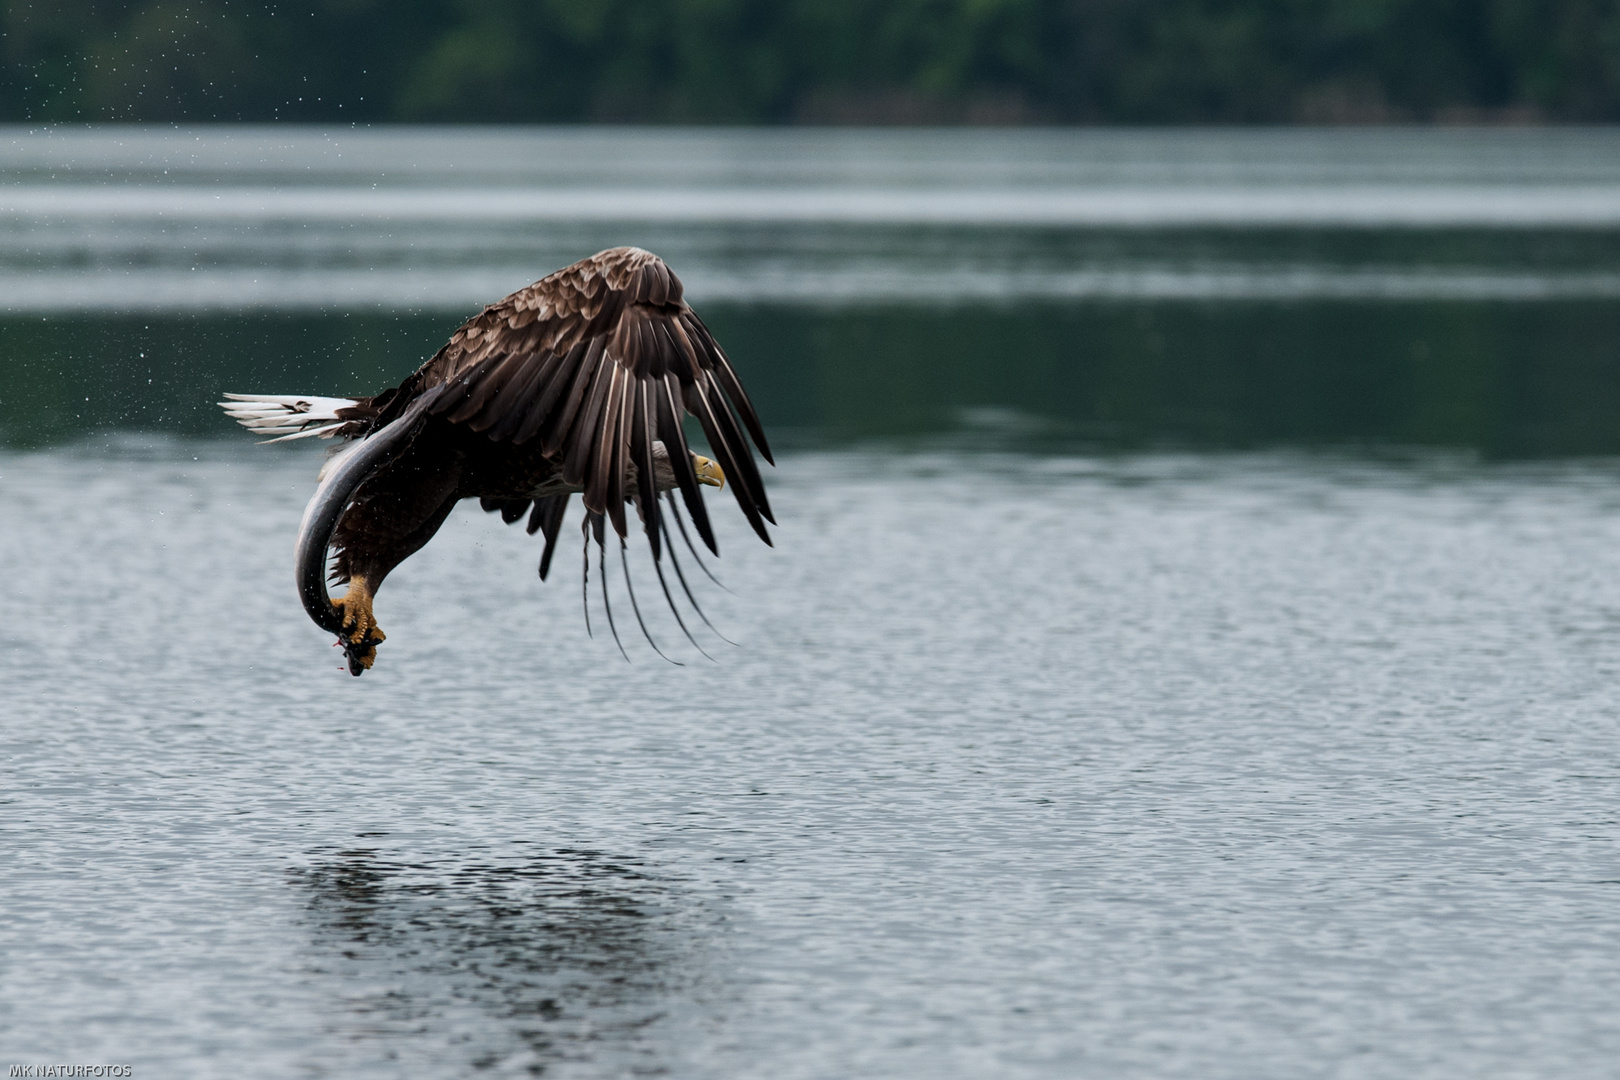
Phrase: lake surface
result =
(1113, 290)
(435, 219)
(1190, 647)
(1022, 767)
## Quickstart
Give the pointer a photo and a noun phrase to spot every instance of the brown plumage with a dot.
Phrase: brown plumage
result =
(577, 383)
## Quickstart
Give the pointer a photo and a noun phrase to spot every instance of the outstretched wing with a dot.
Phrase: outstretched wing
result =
(597, 361)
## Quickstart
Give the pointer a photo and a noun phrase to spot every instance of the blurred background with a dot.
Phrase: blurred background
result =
(841, 61)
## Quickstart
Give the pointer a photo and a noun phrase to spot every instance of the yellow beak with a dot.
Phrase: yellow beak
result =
(708, 472)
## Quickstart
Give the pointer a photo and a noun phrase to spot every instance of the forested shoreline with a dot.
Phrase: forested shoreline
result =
(813, 61)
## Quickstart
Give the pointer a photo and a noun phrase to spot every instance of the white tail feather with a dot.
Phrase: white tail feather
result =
(286, 416)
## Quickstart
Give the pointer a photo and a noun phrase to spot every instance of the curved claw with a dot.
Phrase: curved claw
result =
(360, 656)
(358, 631)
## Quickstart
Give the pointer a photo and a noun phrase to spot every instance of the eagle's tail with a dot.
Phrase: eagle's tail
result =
(287, 416)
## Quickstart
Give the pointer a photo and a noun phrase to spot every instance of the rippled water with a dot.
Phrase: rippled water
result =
(1222, 766)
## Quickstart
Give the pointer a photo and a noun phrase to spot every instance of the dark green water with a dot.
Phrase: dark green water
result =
(1090, 290)
(1503, 379)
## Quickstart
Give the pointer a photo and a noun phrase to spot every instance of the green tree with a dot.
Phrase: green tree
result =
(757, 61)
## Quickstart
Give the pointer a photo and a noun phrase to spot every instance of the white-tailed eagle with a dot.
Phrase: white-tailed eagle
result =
(575, 384)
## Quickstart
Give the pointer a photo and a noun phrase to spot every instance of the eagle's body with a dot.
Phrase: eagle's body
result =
(575, 384)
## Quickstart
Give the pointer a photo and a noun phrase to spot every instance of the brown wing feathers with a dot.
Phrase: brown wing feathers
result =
(673, 436)
(598, 361)
(641, 440)
(548, 515)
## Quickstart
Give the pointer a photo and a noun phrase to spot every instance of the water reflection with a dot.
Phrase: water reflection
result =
(1085, 289)
(165, 220)
(508, 962)
(1501, 380)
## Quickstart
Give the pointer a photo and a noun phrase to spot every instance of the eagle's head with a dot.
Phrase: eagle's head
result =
(708, 472)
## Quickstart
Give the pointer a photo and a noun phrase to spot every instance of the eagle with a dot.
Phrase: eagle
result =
(575, 385)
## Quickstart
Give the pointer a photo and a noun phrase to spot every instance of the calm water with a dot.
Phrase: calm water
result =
(1106, 289)
(131, 219)
(1190, 648)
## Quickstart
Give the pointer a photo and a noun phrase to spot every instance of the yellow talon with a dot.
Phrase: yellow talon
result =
(360, 632)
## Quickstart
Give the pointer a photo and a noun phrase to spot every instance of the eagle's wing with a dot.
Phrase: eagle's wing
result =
(597, 361)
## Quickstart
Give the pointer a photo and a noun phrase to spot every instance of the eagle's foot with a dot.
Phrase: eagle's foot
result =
(360, 635)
